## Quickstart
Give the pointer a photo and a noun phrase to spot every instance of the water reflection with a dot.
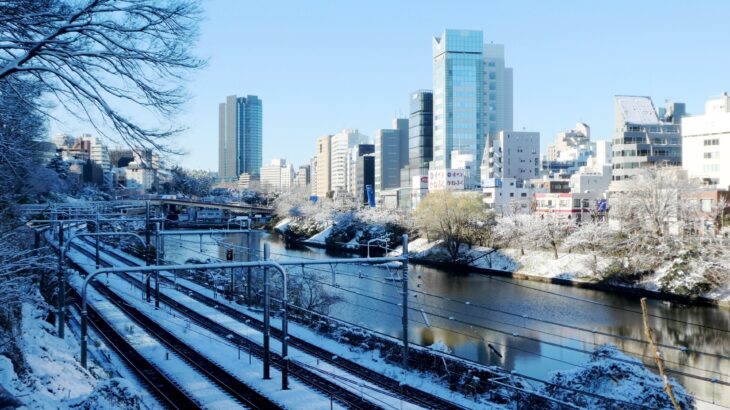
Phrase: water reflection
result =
(526, 345)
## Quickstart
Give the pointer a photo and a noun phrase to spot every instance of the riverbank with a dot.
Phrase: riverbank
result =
(685, 279)
(569, 269)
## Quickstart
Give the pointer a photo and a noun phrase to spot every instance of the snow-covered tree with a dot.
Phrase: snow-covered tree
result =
(548, 231)
(653, 203)
(189, 182)
(592, 237)
(95, 58)
(515, 230)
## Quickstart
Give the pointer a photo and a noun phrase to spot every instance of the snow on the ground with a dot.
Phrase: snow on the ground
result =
(625, 379)
(320, 237)
(415, 247)
(283, 225)
(369, 359)
(57, 374)
(542, 264)
(116, 393)
(221, 351)
(204, 391)
(53, 377)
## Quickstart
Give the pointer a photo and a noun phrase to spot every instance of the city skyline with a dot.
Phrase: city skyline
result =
(554, 87)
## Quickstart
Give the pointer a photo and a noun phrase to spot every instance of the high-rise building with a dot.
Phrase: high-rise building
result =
(313, 174)
(472, 96)
(420, 132)
(364, 176)
(323, 182)
(498, 85)
(303, 177)
(706, 143)
(391, 153)
(641, 139)
(341, 144)
(240, 126)
(352, 159)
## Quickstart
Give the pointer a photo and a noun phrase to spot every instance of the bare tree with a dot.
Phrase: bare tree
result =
(97, 57)
(549, 231)
(653, 203)
(593, 237)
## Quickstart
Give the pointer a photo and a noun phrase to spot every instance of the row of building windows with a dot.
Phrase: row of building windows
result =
(712, 142)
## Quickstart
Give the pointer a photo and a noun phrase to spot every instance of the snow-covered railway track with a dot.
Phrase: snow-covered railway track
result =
(241, 392)
(344, 396)
(162, 388)
(403, 391)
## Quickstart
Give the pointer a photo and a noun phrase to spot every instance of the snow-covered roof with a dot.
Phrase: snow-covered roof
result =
(637, 110)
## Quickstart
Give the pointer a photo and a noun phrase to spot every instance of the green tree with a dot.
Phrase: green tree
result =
(453, 218)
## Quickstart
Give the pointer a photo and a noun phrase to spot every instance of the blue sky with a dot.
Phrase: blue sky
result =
(321, 66)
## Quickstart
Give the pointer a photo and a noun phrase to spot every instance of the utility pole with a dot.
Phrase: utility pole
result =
(147, 247)
(96, 229)
(61, 286)
(249, 248)
(157, 262)
(405, 302)
(267, 323)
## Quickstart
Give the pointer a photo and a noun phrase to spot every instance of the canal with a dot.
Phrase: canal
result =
(528, 327)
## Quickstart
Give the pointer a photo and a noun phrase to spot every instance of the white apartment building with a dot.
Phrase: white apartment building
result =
(706, 143)
(591, 178)
(569, 144)
(139, 177)
(340, 147)
(642, 139)
(507, 195)
(278, 176)
(512, 154)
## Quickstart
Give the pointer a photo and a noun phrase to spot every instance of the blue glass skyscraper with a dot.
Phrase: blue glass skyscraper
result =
(240, 134)
(472, 96)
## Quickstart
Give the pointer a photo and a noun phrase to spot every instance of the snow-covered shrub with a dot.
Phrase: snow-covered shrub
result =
(113, 393)
(612, 374)
(695, 272)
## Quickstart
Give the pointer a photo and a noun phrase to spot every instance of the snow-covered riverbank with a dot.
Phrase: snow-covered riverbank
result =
(568, 269)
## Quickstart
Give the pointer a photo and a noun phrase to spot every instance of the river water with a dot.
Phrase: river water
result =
(533, 328)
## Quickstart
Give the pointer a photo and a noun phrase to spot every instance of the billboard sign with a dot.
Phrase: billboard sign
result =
(452, 179)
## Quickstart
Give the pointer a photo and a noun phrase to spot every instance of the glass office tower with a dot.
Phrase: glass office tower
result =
(457, 95)
(472, 98)
(420, 138)
(240, 133)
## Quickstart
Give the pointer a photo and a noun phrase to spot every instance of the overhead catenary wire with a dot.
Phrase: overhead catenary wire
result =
(515, 325)
(522, 336)
(590, 302)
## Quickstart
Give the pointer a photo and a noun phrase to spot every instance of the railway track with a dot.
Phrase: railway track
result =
(227, 382)
(338, 393)
(163, 389)
(403, 391)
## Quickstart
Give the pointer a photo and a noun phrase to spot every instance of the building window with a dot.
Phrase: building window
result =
(706, 205)
(712, 142)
